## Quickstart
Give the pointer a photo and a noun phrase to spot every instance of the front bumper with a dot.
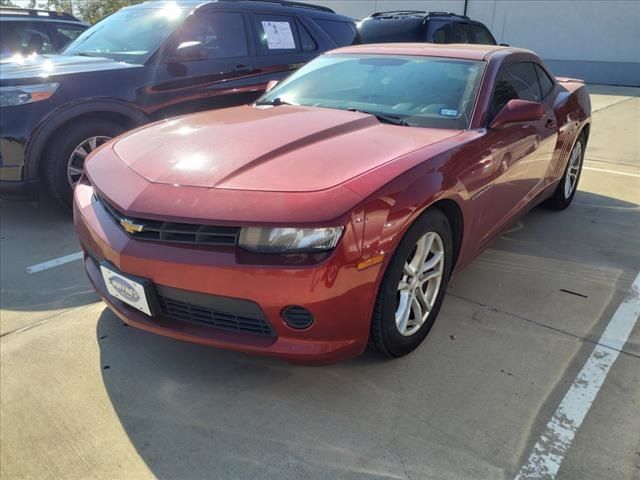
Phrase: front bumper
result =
(340, 296)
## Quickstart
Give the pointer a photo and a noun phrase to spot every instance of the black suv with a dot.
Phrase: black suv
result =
(143, 63)
(25, 31)
(419, 26)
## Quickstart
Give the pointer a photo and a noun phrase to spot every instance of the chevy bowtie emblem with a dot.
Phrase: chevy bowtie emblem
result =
(130, 226)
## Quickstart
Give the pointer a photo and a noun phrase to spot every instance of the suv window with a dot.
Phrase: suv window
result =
(439, 30)
(25, 38)
(66, 33)
(277, 33)
(343, 33)
(461, 33)
(515, 81)
(306, 41)
(222, 34)
(546, 84)
(482, 35)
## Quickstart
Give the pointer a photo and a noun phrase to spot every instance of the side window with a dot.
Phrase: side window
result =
(482, 35)
(503, 92)
(307, 42)
(66, 33)
(25, 38)
(10, 38)
(546, 84)
(277, 34)
(343, 33)
(222, 34)
(515, 81)
(439, 30)
(525, 80)
(461, 33)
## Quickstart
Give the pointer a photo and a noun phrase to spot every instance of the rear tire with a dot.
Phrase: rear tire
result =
(60, 171)
(568, 186)
(392, 334)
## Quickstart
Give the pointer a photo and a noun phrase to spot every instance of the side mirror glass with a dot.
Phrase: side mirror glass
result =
(189, 51)
(270, 85)
(517, 111)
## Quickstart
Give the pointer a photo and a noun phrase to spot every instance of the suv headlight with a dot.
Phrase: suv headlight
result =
(289, 240)
(12, 96)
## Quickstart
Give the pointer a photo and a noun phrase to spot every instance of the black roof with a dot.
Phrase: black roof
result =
(413, 13)
(208, 3)
(13, 12)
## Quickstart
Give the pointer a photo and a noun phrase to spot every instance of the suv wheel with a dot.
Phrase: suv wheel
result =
(66, 155)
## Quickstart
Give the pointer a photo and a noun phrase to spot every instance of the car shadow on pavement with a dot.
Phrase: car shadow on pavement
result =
(33, 232)
(197, 412)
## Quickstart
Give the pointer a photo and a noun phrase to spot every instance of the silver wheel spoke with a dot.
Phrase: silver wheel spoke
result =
(403, 313)
(75, 164)
(404, 286)
(408, 270)
(80, 152)
(424, 302)
(418, 316)
(430, 275)
(433, 262)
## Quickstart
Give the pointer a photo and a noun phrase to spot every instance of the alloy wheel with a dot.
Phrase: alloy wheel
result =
(75, 165)
(420, 284)
(575, 161)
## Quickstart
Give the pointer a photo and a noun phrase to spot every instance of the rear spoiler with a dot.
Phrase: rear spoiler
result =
(569, 80)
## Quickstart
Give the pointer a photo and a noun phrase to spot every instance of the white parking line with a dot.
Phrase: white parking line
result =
(55, 262)
(550, 449)
(626, 174)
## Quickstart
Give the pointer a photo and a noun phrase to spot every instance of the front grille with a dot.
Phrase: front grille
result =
(187, 312)
(172, 232)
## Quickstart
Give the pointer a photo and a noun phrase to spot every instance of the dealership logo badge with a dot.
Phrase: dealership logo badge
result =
(130, 226)
(124, 288)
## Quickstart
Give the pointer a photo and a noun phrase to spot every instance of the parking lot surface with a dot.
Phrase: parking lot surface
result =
(84, 396)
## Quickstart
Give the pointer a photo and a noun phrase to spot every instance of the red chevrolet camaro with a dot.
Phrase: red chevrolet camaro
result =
(331, 213)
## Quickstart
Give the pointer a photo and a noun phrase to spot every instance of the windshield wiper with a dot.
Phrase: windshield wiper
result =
(392, 119)
(275, 102)
(84, 54)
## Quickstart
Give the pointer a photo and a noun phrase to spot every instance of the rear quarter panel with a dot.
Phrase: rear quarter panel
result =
(572, 108)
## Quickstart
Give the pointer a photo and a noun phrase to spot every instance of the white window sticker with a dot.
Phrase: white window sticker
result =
(279, 35)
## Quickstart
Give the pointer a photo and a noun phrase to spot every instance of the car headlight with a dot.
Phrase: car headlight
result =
(12, 96)
(289, 240)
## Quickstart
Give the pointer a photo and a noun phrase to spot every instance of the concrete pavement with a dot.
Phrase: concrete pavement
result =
(83, 396)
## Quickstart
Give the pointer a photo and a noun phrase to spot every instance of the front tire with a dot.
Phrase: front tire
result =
(568, 186)
(413, 286)
(64, 162)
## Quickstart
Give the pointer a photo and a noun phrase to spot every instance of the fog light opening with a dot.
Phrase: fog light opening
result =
(296, 317)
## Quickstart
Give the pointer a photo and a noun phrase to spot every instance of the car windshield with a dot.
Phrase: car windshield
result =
(408, 90)
(129, 35)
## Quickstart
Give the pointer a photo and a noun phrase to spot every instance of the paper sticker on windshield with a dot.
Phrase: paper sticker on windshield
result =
(279, 35)
(448, 112)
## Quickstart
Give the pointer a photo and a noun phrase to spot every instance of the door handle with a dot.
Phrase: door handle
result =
(242, 68)
(551, 123)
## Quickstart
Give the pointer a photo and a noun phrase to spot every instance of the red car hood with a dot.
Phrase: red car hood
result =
(278, 149)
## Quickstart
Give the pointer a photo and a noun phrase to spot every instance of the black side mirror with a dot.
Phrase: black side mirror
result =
(189, 51)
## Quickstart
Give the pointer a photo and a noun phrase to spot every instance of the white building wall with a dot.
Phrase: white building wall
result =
(595, 40)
